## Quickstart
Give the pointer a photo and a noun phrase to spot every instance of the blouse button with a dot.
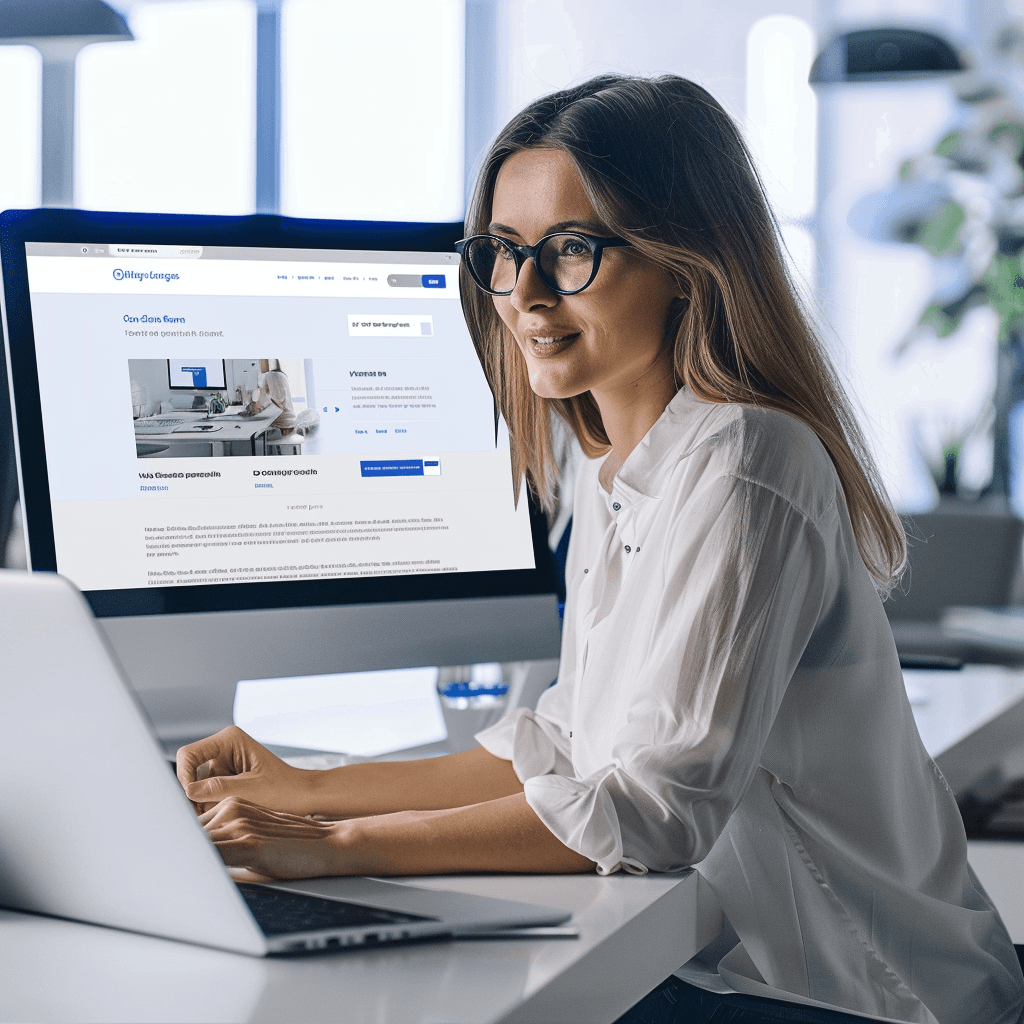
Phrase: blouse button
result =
(616, 506)
(628, 549)
(586, 570)
(638, 549)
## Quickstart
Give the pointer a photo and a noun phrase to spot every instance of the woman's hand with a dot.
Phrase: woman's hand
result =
(259, 844)
(233, 764)
(499, 835)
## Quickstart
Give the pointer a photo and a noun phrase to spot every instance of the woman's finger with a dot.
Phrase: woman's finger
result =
(228, 751)
(213, 748)
(246, 875)
(233, 808)
(238, 813)
(264, 830)
(219, 787)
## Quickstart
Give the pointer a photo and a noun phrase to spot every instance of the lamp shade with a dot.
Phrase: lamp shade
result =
(885, 55)
(42, 19)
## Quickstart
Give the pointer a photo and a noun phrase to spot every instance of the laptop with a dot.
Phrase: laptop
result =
(95, 827)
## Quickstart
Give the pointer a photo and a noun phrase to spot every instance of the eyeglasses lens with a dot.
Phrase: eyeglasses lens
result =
(493, 264)
(565, 261)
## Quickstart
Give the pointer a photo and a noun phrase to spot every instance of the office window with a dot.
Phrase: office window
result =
(782, 128)
(372, 109)
(167, 123)
(915, 397)
(20, 81)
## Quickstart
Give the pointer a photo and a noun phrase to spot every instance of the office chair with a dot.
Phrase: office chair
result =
(957, 558)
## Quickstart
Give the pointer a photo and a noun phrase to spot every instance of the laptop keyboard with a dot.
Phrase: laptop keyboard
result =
(158, 425)
(283, 913)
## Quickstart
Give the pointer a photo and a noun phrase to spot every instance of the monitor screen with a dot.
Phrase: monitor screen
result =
(378, 451)
(196, 374)
(346, 456)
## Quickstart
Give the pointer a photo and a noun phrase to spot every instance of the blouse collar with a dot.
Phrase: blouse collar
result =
(685, 422)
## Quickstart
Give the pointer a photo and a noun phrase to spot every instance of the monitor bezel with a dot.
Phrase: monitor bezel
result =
(100, 228)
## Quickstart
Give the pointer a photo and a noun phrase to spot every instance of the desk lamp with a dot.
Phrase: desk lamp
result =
(59, 29)
(885, 55)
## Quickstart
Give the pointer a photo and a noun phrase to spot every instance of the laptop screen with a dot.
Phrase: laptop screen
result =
(224, 415)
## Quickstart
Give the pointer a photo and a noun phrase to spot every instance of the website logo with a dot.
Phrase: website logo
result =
(143, 275)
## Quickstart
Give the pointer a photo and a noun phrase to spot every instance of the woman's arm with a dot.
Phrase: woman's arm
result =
(497, 835)
(233, 764)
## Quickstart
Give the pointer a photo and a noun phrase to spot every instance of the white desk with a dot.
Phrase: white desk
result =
(634, 931)
(950, 705)
(199, 435)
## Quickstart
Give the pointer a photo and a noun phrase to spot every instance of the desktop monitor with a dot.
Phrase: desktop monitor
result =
(196, 374)
(374, 525)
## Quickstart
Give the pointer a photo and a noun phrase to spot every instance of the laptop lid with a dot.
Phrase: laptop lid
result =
(95, 826)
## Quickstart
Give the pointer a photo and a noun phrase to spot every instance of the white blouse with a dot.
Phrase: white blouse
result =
(730, 697)
(274, 388)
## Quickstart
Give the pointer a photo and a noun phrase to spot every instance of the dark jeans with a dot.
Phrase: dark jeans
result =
(676, 1002)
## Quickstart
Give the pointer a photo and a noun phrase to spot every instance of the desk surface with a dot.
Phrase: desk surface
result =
(634, 931)
(225, 426)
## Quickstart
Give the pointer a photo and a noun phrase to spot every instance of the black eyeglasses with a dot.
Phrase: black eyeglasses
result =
(566, 262)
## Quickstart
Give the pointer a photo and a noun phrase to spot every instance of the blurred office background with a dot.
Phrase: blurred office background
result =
(382, 110)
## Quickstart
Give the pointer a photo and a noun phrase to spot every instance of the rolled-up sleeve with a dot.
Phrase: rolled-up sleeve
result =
(533, 744)
(723, 629)
(538, 742)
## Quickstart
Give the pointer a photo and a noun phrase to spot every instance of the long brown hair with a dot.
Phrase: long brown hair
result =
(666, 168)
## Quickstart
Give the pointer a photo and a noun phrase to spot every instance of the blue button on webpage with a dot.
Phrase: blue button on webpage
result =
(433, 280)
(391, 467)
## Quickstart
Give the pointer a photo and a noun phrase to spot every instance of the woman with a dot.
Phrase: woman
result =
(729, 693)
(272, 389)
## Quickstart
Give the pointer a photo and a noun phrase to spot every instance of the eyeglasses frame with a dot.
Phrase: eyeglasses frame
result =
(522, 253)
